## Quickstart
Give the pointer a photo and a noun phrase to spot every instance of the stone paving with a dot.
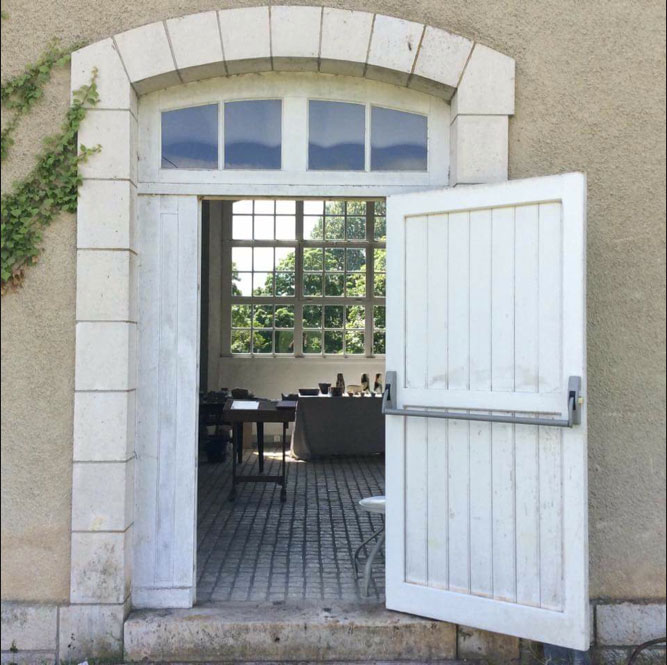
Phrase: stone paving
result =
(259, 549)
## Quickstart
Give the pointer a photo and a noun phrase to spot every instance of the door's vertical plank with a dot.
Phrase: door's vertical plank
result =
(481, 510)
(458, 300)
(504, 543)
(416, 307)
(526, 338)
(458, 267)
(551, 518)
(437, 239)
(526, 301)
(502, 304)
(167, 387)
(550, 380)
(502, 379)
(188, 389)
(481, 526)
(550, 297)
(438, 504)
(527, 515)
(416, 500)
(480, 300)
(148, 211)
(459, 507)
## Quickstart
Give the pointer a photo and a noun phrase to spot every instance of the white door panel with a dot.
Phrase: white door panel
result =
(487, 522)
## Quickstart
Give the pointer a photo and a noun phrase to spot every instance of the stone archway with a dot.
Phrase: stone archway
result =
(479, 83)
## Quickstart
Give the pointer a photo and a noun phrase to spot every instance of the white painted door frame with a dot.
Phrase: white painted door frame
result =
(476, 80)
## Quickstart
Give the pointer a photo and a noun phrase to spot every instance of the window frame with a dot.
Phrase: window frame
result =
(294, 179)
(299, 300)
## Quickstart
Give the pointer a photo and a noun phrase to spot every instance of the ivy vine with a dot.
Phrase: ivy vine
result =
(19, 93)
(52, 185)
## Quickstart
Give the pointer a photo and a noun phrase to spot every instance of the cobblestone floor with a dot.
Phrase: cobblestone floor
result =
(258, 548)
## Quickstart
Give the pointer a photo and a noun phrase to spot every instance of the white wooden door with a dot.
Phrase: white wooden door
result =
(168, 233)
(487, 522)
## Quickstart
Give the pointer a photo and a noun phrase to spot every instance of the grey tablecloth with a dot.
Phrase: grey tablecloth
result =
(337, 426)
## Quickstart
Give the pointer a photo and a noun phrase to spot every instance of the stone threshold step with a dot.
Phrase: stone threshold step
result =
(287, 632)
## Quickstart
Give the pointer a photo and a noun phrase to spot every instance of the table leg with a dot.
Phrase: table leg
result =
(236, 431)
(260, 446)
(239, 442)
(283, 489)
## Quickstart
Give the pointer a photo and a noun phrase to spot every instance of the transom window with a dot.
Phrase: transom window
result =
(252, 137)
(305, 277)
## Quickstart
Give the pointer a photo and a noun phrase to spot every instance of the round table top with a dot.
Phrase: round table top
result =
(373, 504)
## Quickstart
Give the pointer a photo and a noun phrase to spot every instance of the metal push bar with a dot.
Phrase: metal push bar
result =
(574, 402)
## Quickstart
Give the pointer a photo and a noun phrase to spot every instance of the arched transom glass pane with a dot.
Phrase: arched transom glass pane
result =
(398, 140)
(253, 134)
(336, 136)
(190, 138)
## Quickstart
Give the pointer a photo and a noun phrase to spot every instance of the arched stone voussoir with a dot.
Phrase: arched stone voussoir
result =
(301, 38)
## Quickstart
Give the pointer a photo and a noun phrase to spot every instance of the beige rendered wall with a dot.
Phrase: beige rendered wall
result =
(590, 96)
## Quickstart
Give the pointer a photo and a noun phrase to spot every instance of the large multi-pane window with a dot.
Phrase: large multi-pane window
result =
(305, 277)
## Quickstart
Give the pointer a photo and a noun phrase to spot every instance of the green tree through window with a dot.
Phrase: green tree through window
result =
(334, 251)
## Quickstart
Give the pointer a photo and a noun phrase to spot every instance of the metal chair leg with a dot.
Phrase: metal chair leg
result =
(357, 552)
(369, 562)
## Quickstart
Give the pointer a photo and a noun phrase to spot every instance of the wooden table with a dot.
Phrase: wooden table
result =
(266, 412)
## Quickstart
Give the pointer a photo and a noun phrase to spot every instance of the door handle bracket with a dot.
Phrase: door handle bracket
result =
(574, 406)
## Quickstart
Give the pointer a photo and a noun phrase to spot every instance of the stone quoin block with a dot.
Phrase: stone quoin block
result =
(478, 149)
(113, 85)
(105, 214)
(105, 356)
(147, 57)
(100, 567)
(101, 496)
(393, 49)
(487, 85)
(91, 629)
(441, 59)
(243, 54)
(113, 131)
(104, 285)
(345, 38)
(295, 37)
(104, 426)
(197, 45)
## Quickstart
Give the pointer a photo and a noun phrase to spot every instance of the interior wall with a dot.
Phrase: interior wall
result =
(269, 377)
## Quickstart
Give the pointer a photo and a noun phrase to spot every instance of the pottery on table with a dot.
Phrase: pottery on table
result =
(335, 391)
(324, 387)
(340, 382)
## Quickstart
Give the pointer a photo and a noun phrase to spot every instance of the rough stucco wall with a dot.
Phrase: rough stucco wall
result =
(590, 96)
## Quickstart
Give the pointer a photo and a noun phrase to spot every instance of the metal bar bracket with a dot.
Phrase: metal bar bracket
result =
(574, 403)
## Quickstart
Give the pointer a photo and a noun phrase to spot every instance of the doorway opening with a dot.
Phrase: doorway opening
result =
(292, 298)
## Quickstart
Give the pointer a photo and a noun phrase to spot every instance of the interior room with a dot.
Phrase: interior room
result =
(292, 311)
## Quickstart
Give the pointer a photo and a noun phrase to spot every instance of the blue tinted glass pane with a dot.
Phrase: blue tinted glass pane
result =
(336, 136)
(398, 141)
(190, 138)
(253, 134)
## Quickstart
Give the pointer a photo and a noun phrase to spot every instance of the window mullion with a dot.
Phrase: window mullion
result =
(370, 275)
(226, 277)
(298, 282)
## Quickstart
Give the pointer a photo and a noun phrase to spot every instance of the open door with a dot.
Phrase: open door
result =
(486, 475)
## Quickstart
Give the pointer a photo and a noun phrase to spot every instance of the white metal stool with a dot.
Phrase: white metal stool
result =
(373, 504)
